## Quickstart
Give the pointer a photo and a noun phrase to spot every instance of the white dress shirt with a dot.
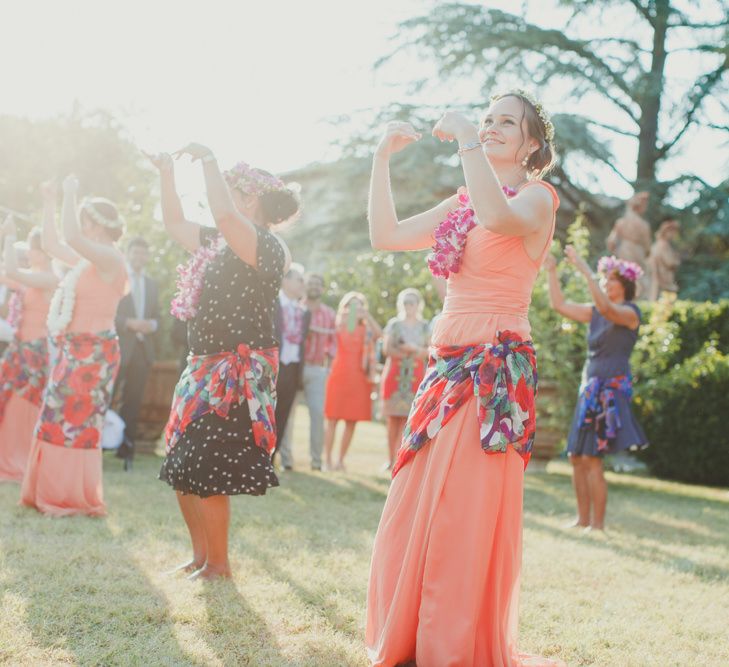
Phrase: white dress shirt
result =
(289, 353)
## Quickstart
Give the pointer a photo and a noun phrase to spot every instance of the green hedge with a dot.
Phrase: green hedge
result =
(684, 413)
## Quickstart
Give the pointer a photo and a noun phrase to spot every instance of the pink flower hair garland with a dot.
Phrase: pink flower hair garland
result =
(450, 237)
(628, 270)
(190, 277)
(253, 181)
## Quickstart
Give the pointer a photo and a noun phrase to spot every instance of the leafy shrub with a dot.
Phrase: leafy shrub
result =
(684, 415)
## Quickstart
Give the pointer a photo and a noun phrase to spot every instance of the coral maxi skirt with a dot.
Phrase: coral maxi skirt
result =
(444, 582)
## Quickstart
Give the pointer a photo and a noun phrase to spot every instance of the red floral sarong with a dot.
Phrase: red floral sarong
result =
(217, 382)
(23, 371)
(79, 389)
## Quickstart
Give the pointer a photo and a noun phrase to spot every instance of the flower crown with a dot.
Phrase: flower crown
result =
(252, 181)
(541, 111)
(87, 206)
(628, 270)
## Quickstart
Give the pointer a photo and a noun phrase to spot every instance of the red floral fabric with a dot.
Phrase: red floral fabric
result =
(216, 382)
(23, 371)
(79, 390)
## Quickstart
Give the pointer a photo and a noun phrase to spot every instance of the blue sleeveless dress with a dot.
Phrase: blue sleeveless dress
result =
(609, 346)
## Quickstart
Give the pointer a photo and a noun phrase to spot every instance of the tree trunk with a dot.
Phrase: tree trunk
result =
(651, 100)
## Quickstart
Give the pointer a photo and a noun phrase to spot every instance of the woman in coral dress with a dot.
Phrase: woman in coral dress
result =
(445, 570)
(349, 385)
(24, 364)
(64, 474)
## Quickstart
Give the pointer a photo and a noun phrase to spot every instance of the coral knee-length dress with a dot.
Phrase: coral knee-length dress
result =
(444, 581)
(349, 388)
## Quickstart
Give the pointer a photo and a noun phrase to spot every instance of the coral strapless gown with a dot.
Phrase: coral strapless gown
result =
(444, 582)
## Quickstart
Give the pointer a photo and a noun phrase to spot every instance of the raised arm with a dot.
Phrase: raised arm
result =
(617, 313)
(386, 231)
(107, 259)
(579, 312)
(525, 214)
(239, 232)
(50, 242)
(185, 232)
(46, 280)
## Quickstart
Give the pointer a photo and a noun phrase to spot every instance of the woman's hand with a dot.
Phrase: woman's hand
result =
(550, 262)
(70, 185)
(397, 136)
(577, 261)
(195, 151)
(453, 125)
(162, 161)
(49, 191)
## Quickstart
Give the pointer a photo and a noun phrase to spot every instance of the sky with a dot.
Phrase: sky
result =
(257, 81)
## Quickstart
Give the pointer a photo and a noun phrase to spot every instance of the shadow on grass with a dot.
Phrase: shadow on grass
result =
(234, 631)
(82, 595)
(648, 524)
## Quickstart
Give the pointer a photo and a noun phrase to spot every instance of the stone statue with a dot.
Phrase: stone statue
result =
(630, 238)
(664, 260)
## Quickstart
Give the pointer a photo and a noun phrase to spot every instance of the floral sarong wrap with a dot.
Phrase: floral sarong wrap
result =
(79, 389)
(502, 377)
(598, 410)
(23, 371)
(217, 382)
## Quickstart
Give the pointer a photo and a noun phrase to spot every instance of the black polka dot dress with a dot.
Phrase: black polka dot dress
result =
(216, 455)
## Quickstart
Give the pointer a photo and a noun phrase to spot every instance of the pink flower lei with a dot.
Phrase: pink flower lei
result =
(190, 277)
(252, 181)
(15, 310)
(628, 270)
(450, 237)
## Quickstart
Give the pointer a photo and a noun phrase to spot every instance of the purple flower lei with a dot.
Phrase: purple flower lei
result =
(252, 181)
(628, 270)
(450, 237)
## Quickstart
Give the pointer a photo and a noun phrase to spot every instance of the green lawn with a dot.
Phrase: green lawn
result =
(655, 591)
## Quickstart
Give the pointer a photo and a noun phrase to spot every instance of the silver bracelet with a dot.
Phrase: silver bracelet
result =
(469, 146)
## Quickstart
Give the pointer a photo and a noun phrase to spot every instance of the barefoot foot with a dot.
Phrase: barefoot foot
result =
(187, 568)
(209, 572)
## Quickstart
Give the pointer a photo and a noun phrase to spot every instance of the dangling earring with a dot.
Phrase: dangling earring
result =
(525, 161)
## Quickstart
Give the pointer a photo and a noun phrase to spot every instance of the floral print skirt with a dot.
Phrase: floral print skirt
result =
(64, 474)
(79, 390)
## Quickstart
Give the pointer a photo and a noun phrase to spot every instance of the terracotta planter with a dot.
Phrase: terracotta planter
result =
(156, 404)
(548, 442)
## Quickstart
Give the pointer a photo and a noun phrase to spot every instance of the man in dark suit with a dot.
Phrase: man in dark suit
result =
(291, 321)
(137, 319)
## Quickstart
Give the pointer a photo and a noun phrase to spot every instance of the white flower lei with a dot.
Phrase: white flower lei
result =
(60, 311)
